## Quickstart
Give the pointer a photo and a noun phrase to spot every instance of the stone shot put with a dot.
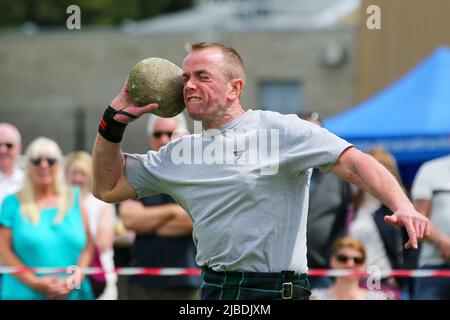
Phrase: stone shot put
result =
(249, 226)
(157, 80)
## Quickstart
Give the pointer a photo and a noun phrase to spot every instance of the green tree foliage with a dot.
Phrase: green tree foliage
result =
(52, 13)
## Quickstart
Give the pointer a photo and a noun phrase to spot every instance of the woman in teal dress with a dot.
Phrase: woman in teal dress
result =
(45, 225)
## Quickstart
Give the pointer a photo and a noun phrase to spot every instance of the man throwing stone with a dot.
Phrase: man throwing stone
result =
(244, 180)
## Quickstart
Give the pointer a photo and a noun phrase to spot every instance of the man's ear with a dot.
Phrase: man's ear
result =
(236, 88)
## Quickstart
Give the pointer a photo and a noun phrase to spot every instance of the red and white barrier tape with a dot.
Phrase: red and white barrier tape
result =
(196, 272)
(383, 274)
(118, 271)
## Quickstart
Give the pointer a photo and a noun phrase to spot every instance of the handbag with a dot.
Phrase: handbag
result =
(98, 280)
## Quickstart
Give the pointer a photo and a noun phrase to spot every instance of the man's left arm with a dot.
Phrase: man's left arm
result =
(364, 171)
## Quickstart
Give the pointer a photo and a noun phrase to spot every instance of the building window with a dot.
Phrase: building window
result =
(285, 97)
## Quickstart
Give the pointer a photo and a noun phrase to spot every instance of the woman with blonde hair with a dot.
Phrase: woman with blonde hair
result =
(45, 225)
(101, 217)
(348, 253)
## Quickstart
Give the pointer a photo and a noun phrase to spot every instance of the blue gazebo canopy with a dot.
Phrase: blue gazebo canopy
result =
(410, 118)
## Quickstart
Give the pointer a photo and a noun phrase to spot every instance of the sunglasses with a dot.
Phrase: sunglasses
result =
(343, 258)
(159, 134)
(38, 161)
(7, 144)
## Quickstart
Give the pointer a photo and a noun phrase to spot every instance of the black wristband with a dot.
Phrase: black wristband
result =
(109, 128)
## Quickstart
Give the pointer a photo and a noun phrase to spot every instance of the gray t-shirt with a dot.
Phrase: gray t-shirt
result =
(245, 186)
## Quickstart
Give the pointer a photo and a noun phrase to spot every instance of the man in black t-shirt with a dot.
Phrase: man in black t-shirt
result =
(329, 200)
(163, 232)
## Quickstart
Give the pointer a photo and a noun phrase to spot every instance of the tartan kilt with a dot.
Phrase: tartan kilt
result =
(234, 285)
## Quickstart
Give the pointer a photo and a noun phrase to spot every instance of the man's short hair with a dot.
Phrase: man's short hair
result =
(236, 69)
(8, 126)
(180, 118)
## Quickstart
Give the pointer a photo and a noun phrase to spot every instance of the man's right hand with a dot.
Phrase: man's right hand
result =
(125, 103)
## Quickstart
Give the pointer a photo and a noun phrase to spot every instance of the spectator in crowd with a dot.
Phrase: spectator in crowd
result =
(431, 196)
(348, 253)
(45, 225)
(11, 176)
(164, 231)
(329, 201)
(101, 217)
(123, 243)
(383, 242)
